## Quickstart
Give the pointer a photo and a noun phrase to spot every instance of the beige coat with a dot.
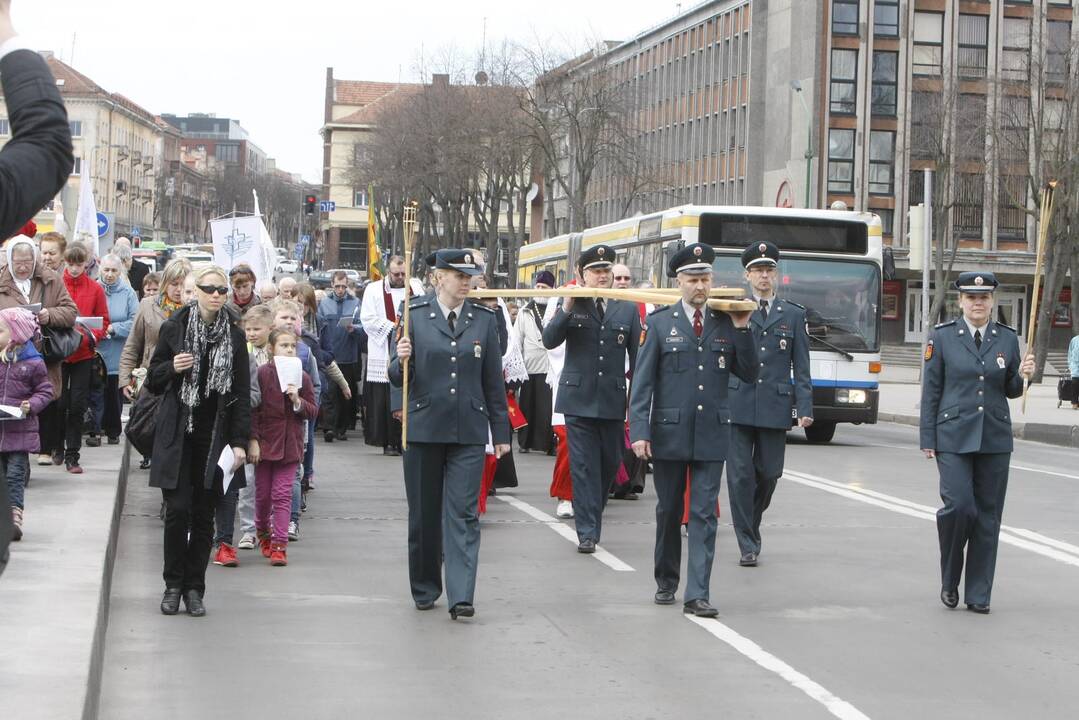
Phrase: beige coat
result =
(142, 340)
(47, 288)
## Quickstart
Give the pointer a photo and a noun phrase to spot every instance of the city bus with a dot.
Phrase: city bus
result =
(831, 264)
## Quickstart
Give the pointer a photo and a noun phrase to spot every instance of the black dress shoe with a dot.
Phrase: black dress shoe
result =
(193, 601)
(700, 608)
(328, 437)
(93, 441)
(950, 598)
(170, 601)
(114, 439)
(391, 452)
(588, 546)
(144, 464)
(664, 597)
(425, 604)
(342, 435)
(749, 559)
(462, 610)
(978, 608)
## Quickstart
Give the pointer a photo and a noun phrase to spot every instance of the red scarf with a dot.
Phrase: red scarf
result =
(387, 301)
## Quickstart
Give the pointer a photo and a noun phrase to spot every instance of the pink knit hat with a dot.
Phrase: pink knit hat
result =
(22, 324)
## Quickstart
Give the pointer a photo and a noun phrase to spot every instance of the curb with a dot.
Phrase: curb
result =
(1060, 435)
(101, 625)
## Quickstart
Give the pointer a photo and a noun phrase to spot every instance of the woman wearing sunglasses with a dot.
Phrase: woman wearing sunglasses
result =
(200, 368)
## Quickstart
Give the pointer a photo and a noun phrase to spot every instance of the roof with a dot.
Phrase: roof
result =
(360, 92)
(368, 114)
(75, 83)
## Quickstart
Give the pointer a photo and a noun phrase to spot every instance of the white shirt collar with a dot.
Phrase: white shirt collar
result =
(974, 328)
(689, 310)
(758, 298)
(447, 310)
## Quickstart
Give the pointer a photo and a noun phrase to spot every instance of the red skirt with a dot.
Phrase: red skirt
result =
(561, 483)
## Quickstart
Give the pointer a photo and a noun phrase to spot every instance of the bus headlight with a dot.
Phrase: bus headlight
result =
(849, 396)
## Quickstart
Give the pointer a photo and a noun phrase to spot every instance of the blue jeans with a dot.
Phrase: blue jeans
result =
(225, 517)
(16, 468)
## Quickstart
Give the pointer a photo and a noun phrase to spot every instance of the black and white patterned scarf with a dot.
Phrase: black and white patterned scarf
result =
(217, 338)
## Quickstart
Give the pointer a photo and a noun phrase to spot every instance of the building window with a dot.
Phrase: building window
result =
(841, 161)
(1012, 203)
(970, 127)
(928, 43)
(76, 128)
(887, 220)
(973, 45)
(1014, 117)
(5, 126)
(844, 17)
(885, 76)
(359, 198)
(886, 18)
(969, 192)
(926, 125)
(881, 161)
(78, 166)
(1015, 49)
(844, 81)
(1056, 51)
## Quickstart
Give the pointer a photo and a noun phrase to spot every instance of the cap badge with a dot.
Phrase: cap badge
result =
(600, 252)
(468, 259)
(763, 248)
(697, 251)
(979, 280)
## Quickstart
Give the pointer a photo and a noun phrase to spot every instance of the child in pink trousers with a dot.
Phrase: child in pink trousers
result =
(277, 434)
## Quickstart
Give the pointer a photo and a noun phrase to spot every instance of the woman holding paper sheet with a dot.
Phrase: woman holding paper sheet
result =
(200, 368)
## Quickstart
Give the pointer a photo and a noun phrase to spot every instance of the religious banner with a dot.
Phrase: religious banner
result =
(243, 240)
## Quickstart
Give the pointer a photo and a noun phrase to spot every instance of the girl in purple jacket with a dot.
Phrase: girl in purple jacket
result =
(25, 390)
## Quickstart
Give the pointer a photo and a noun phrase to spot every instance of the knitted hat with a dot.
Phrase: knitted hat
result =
(22, 324)
(546, 277)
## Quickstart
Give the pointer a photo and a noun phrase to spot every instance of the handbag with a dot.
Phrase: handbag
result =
(142, 422)
(58, 344)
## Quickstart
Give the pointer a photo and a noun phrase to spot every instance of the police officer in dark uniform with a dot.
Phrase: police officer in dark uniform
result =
(679, 417)
(456, 396)
(599, 334)
(762, 410)
(972, 366)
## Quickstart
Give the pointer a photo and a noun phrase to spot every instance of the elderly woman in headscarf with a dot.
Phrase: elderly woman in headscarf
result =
(27, 281)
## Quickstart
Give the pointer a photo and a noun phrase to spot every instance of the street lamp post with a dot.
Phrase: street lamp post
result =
(797, 87)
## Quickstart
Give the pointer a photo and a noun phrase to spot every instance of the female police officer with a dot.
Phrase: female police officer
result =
(972, 367)
(456, 395)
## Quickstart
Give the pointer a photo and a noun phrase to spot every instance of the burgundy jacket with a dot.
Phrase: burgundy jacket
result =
(278, 428)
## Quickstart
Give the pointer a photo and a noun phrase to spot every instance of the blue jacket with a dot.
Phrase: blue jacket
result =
(679, 396)
(1073, 356)
(965, 390)
(783, 348)
(123, 304)
(344, 345)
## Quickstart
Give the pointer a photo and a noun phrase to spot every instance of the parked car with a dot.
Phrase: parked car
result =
(319, 279)
(285, 267)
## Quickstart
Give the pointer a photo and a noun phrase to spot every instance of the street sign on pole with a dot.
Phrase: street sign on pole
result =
(103, 224)
(327, 206)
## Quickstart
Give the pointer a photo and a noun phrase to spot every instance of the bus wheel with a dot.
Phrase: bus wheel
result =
(820, 432)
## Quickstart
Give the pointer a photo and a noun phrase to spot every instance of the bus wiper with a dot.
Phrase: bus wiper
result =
(827, 344)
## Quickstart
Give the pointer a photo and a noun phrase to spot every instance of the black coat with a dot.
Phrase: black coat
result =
(37, 160)
(136, 275)
(232, 425)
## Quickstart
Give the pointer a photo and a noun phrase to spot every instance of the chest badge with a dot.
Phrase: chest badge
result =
(782, 344)
(477, 349)
(1000, 360)
(723, 362)
(621, 338)
(674, 332)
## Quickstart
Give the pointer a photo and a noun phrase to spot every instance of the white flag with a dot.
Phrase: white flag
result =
(86, 220)
(240, 240)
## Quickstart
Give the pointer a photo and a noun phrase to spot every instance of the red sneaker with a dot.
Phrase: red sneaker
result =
(278, 555)
(226, 556)
(74, 468)
(264, 543)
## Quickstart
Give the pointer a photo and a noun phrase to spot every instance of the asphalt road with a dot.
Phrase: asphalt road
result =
(841, 618)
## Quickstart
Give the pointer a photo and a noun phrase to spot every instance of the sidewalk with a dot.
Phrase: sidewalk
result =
(54, 594)
(900, 401)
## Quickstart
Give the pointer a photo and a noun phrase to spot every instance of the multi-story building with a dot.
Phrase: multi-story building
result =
(809, 102)
(183, 189)
(223, 141)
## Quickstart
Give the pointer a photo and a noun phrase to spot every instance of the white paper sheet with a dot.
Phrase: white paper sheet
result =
(35, 308)
(225, 463)
(345, 322)
(289, 371)
(13, 410)
(94, 323)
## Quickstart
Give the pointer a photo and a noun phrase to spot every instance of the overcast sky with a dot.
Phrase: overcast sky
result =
(264, 62)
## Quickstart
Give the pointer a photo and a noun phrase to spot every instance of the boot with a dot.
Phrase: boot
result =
(279, 554)
(264, 542)
(16, 516)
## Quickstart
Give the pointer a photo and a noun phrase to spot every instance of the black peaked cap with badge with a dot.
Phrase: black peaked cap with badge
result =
(763, 252)
(597, 257)
(976, 282)
(695, 259)
(459, 260)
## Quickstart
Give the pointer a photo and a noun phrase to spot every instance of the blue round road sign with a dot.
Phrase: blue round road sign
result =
(102, 225)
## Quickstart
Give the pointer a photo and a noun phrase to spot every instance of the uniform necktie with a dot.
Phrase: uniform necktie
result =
(764, 308)
(599, 308)
(978, 339)
(452, 320)
(698, 326)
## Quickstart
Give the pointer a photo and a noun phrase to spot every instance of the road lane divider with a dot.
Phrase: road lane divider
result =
(564, 530)
(1017, 537)
(837, 706)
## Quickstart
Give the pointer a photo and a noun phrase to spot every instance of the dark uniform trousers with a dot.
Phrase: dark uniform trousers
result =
(595, 452)
(669, 477)
(972, 487)
(755, 465)
(442, 483)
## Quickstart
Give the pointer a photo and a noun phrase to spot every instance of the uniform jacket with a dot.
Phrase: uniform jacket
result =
(90, 300)
(231, 425)
(679, 396)
(456, 390)
(123, 305)
(965, 391)
(344, 345)
(24, 379)
(278, 428)
(37, 160)
(782, 344)
(142, 338)
(593, 380)
(47, 288)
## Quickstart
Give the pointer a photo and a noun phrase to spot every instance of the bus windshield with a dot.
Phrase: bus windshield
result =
(841, 297)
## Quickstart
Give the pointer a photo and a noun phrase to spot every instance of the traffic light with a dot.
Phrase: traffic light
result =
(309, 203)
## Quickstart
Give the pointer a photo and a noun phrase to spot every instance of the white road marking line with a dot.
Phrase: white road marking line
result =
(836, 706)
(564, 530)
(1015, 536)
(1044, 472)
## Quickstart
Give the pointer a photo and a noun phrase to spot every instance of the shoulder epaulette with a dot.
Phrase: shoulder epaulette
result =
(481, 306)
(1006, 327)
(945, 324)
(791, 302)
(663, 308)
(422, 301)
